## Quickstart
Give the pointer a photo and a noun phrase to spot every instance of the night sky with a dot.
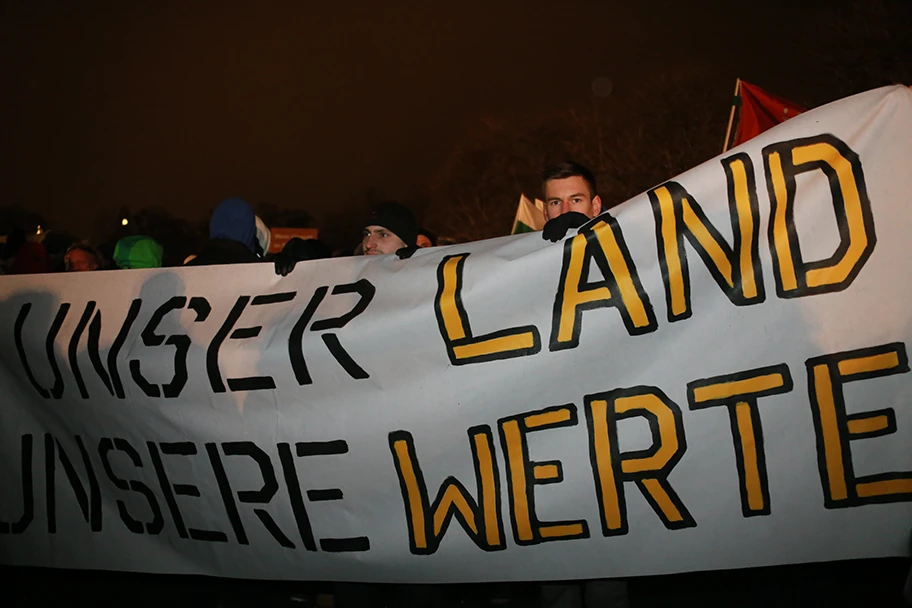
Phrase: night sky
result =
(301, 104)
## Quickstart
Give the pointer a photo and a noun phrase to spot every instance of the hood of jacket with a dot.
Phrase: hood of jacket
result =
(234, 219)
(138, 252)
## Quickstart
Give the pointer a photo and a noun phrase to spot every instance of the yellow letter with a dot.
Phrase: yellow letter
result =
(428, 523)
(453, 321)
(835, 428)
(842, 169)
(651, 471)
(739, 393)
(527, 529)
(621, 286)
(736, 270)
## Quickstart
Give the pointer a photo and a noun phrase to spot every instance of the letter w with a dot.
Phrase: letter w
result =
(428, 522)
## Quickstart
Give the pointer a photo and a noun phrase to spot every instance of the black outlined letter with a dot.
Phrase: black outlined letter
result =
(304, 449)
(251, 383)
(180, 342)
(523, 475)
(427, 522)
(840, 164)
(453, 321)
(620, 288)
(89, 503)
(649, 469)
(57, 389)
(257, 497)
(735, 269)
(365, 290)
(111, 376)
(170, 490)
(28, 492)
(73, 350)
(739, 393)
(835, 428)
(105, 447)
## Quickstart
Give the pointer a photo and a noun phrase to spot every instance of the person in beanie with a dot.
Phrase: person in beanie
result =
(390, 228)
(138, 252)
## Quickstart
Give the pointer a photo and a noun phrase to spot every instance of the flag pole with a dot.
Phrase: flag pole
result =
(731, 116)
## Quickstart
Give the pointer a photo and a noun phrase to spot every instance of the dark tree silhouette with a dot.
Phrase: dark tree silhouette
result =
(670, 124)
(860, 45)
(667, 125)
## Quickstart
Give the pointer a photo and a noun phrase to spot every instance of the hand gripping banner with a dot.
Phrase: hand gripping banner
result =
(715, 374)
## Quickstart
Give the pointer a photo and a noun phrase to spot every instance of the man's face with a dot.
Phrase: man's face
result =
(570, 194)
(377, 240)
(80, 261)
(423, 241)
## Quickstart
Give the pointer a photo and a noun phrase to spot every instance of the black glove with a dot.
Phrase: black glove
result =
(406, 252)
(293, 252)
(557, 228)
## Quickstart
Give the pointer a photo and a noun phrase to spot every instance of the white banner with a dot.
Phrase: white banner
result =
(715, 375)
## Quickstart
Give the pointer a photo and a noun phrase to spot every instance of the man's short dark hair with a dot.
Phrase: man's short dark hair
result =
(569, 169)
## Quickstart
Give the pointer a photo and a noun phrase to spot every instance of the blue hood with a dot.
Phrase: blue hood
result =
(234, 219)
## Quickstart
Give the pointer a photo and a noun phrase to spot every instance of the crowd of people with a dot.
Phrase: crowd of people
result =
(236, 236)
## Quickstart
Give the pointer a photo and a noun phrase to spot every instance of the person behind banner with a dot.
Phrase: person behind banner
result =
(571, 200)
(32, 258)
(391, 228)
(138, 251)
(82, 257)
(426, 238)
(232, 235)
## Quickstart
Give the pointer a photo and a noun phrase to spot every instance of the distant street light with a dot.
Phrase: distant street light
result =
(124, 222)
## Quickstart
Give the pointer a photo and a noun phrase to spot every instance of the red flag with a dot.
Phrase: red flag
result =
(761, 111)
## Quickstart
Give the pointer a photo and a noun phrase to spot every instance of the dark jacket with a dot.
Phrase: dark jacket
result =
(224, 251)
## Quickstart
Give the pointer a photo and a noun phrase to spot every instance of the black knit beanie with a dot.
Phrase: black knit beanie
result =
(396, 218)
